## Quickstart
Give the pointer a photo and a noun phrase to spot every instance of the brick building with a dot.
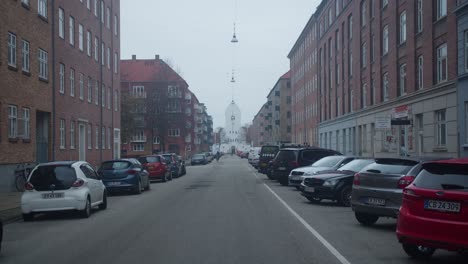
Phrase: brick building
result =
(462, 83)
(259, 127)
(357, 62)
(279, 111)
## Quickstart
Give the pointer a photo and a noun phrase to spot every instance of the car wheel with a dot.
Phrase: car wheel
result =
(284, 182)
(28, 217)
(138, 187)
(86, 212)
(345, 196)
(298, 188)
(314, 199)
(103, 205)
(366, 219)
(418, 252)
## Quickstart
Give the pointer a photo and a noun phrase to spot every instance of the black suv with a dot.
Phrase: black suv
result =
(267, 153)
(288, 159)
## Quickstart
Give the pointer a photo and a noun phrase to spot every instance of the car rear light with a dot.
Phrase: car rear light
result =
(294, 164)
(28, 186)
(78, 183)
(132, 171)
(357, 179)
(404, 181)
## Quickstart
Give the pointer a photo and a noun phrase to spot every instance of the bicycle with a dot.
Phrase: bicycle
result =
(21, 175)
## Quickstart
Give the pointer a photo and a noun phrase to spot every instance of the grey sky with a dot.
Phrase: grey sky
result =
(195, 36)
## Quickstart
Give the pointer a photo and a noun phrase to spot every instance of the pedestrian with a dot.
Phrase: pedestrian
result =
(217, 156)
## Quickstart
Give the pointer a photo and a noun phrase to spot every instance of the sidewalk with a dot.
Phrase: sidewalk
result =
(10, 206)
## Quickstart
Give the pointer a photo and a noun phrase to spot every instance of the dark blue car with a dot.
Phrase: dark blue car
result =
(173, 164)
(124, 175)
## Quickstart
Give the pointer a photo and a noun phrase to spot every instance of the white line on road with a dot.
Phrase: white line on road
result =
(314, 232)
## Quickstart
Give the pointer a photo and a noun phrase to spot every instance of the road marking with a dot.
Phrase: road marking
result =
(314, 232)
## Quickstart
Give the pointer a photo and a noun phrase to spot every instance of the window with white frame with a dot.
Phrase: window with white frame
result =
(26, 59)
(466, 50)
(350, 61)
(103, 53)
(385, 40)
(109, 98)
(88, 43)
(364, 95)
(62, 133)
(61, 24)
(96, 93)
(62, 78)
(72, 134)
(90, 89)
(12, 121)
(174, 132)
(441, 8)
(89, 132)
(116, 25)
(350, 27)
(72, 82)
(441, 127)
(102, 11)
(43, 64)
(364, 55)
(88, 4)
(403, 27)
(25, 2)
(372, 7)
(26, 123)
(71, 26)
(351, 101)
(103, 95)
(116, 62)
(11, 49)
(81, 81)
(420, 16)
(108, 17)
(96, 8)
(385, 87)
(96, 49)
(109, 138)
(138, 91)
(80, 37)
(330, 16)
(156, 140)
(420, 72)
(402, 82)
(363, 13)
(42, 8)
(337, 8)
(384, 3)
(96, 140)
(138, 147)
(442, 63)
(116, 101)
(108, 58)
(103, 137)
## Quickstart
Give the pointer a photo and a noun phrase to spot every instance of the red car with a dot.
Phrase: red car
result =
(434, 213)
(156, 167)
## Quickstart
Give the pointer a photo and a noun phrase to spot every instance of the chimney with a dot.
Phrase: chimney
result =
(133, 57)
(156, 57)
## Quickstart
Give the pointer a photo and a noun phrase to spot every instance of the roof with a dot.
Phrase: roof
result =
(284, 76)
(59, 163)
(154, 70)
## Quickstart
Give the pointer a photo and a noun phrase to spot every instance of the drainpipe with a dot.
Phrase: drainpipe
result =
(53, 84)
(101, 9)
(112, 66)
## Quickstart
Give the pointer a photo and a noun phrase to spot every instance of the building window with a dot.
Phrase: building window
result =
(384, 3)
(90, 141)
(81, 87)
(174, 133)
(88, 43)
(364, 55)
(116, 25)
(116, 63)
(103, 53)
(96, 49)
(80, 37)
(12, 121)
(385, 87)
(96, 10)
(62, 78)
(372, 91)
(88, 4)
(351, 101)
(402, 79)
(43, 65)
(72, 134)
(156, 140)
(109, 98)
(363, 13)
(350, 27)
(138, 92)
(466, 51)
(420, 72)
(25, 2)
(350, 63)
(27, 123)
(385, 40)
(441, 127)
(364, 95)
(90, 90)
(116, 101)
(103, 137)
(138, 147)
(11, 49)
(61, 15)
(96, 93)
(103, 94)
(102, 11)
(442, 63)
(372, 48)
(42, 8)
(403, 27)
(372, 6)
(420, 16)
(26, 62)
(96, 140)
(62, 133)
(109, 135)
(108, 16)
(72, 30)
(441, 8)
(72, 82)
(108, 58)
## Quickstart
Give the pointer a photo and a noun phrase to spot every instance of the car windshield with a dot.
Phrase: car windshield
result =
(115, 165)
(443, 177)
(356, 165)
(269, 150)
(150, 159)
(53, 177)
(286, 155)
(328, 162)
(198, 156)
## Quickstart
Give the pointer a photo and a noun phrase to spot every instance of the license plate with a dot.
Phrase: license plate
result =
(113, 183)
(282, 168)
(375, 201)
(309, 189)
(52, 195)
(442, 206)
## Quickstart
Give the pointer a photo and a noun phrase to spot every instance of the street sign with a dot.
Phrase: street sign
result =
(383, 122)
(401, 122)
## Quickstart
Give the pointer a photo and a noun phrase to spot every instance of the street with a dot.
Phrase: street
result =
(218, 213)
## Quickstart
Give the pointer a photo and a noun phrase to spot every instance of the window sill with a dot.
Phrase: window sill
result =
(26, 140)
(26, 6)
(27, 73)
(43, 80)
(440, 149)
(13, 140)
(13, 68)
(440, 20)
(43, 18)
(402, 45)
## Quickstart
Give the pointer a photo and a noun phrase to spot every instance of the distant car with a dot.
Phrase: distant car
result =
(124, 175)
(198, 159)
(183, 169)
(327, 163)
(173, 164)
(378, 188)
(63, 185)
(434, 212)
(335, 185)
(156, 167)
(209, 156)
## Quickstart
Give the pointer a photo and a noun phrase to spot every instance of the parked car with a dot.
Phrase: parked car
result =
(199, 159)
(173, 164)
(288, 159)
(209, 156)
(334, 185)
(63, 185)
(434, 212)
(267, 153)
(324, 164)
(183, 169)
(156, 167)
(124, 175)
(378, 188)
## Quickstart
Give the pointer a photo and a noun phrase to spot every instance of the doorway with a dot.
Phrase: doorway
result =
(42, 137)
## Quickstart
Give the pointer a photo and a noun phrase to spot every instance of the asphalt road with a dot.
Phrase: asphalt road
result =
(223, 212)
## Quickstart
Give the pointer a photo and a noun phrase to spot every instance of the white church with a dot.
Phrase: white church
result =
(232, 136)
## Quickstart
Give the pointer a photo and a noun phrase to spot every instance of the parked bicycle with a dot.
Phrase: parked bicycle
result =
(21, 175)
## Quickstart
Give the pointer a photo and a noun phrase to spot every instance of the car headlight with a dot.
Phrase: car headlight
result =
(330, 183)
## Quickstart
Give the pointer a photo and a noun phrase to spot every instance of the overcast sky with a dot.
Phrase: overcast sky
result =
(195, 36)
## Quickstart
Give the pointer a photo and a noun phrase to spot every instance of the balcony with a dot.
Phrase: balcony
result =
(138, 139)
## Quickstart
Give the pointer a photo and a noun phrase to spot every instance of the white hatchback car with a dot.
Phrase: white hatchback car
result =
(63, 185)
